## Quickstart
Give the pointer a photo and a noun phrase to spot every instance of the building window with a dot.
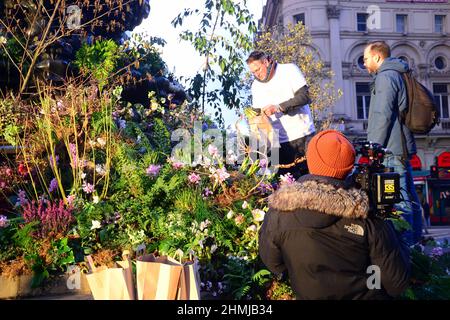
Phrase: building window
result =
(439, 23)
(361, 21)
(299, 18)
(441, 92)
(440, 63)
(404, 58)
(362, 99)
(401, 23)
(361, 63)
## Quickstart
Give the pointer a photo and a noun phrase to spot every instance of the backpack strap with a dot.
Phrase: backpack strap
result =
(405, 148)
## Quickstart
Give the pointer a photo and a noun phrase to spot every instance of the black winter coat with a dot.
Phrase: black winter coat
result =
(320, 232)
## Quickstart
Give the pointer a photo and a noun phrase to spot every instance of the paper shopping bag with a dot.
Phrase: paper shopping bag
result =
(157, 277)
(190, 281)
(261, 127)
(112, 283)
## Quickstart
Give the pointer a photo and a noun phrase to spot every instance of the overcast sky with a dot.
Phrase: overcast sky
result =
(180, 56)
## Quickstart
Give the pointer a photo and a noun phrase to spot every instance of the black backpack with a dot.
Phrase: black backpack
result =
(422, 113)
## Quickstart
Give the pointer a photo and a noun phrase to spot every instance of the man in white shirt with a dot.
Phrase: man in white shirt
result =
(280, 91)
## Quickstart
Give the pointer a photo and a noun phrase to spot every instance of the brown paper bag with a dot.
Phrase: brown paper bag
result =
(157, 277)
(261, 127)
(189, 288)
(112, 283)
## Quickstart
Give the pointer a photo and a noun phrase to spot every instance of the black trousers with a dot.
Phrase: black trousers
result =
(289, 152)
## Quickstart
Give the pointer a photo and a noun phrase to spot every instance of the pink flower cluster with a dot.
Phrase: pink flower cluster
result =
(7, 178)
(73, 155)
(53, 216)
(436, 252)
(219, 175)
(194, 178)
(3, 221)
(153, 170)
(287, 179)
(88, 188)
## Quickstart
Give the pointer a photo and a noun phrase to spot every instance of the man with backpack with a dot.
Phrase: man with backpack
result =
(388, 101)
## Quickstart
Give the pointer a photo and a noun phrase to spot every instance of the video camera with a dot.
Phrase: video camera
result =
(381, 184)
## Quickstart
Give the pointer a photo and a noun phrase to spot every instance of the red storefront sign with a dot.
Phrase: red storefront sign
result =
(443, 160)
(416, 164)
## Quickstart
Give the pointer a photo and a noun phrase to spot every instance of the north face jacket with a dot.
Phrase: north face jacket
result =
(321, 233)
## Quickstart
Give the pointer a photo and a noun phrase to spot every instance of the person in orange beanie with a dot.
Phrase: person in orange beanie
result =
(318, 229)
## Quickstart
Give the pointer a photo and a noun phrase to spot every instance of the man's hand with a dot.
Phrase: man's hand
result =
(270, 110)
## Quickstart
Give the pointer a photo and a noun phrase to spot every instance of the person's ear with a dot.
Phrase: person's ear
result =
(377, 58)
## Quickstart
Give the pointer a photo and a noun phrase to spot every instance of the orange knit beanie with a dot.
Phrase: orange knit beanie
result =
(330, 154)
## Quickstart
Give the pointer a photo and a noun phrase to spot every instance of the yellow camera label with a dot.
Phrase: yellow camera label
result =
(389, 186)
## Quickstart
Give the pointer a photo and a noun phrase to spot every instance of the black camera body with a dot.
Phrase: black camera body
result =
(380, 183)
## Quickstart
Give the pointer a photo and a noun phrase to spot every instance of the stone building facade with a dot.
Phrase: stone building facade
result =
(417, 31)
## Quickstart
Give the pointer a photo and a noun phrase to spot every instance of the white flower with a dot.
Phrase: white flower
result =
(258, 215)
(204, 225)
(213, 248)
(101, 142)
(95, 224)
(180, 253)
(3, 40)
(206, 162)
(245, 205)
(100, 169)
(231, 157)
(230, 214)
(95, 199)
(252, 228)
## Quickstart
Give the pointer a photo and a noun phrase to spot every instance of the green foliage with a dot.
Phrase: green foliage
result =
(147, 57)
(10, 134)
(23, 237)
(243, 280)
(128, 169)
(281, 290)
(60, 256)
(223, 38)
(430, 275)
(99, 59)
(92, 238)
(10, 114)
(161, 137)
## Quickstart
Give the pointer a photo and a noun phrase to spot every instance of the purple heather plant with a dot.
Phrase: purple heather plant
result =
(53, 185)
(22, 198)
(53, 216)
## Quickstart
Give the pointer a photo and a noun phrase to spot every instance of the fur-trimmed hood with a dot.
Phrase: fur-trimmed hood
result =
(322, 194)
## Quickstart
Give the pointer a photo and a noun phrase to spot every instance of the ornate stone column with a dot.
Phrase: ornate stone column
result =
(333, 13)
